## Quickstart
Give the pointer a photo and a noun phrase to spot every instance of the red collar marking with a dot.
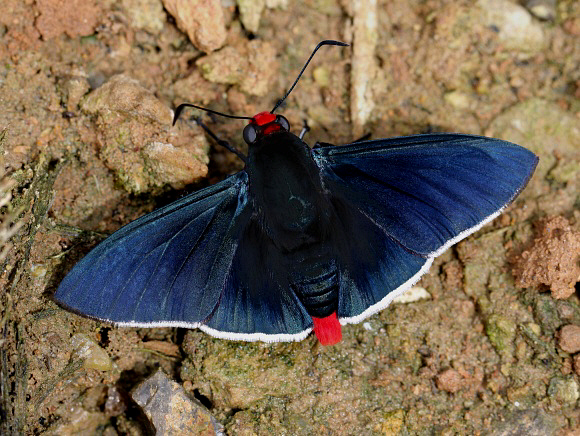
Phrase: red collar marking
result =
(271, 129)
(263, 118)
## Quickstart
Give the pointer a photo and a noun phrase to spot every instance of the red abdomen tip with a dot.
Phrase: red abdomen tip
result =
(327, 330)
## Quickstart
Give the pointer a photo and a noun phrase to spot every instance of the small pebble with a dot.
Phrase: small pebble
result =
(94, 356)
(415, 293)
(458, 99)
(202, 20)
(250, 13)
(321, 76)
(565, 310)
(38, 270)
(563, 390)
(535, 328)
(542, 9)
(146, 14)
(569, 340)
(393, 423)
(577, 364)
(115, 404)
(75, 88)
(516, 28)
(449, 381)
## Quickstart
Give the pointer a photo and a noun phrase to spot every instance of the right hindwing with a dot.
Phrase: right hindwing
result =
(403, 201)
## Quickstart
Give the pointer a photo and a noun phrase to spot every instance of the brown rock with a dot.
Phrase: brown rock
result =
(552, 260)
(453, 274)
(202, 20)
(145, 14)
(251, 67)
(79, 421)
(115, 404)
(196, 89)
(250, 13)
(136, 141)
(171, 410)
(75, 87)
(177, 166)
(73, 17)
(569, 338)
(225, 66)
(577, 364)
(164, 347)
(126, 96)
(260, 69)
(449, 381)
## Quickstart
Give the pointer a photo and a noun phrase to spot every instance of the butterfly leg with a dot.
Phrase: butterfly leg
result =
(305, 129)
(221, 142)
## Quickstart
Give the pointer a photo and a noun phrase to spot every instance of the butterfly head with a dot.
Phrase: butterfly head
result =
(263, 124)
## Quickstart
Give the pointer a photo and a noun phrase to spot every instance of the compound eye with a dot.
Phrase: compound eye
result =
(250, 134)
(283, 122)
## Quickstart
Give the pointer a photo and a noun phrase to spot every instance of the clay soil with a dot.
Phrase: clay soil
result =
(86, 146)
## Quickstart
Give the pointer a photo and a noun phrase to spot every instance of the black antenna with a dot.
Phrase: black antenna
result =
(184, 105)
(320, 44)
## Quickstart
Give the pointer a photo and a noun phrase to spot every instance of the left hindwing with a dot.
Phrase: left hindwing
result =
(167, 268)
(204, 261)
(427, 191)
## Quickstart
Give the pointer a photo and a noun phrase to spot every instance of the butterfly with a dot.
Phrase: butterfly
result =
(302, 238)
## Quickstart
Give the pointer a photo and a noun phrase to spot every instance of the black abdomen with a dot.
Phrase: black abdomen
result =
(292, 206)
(319, 294)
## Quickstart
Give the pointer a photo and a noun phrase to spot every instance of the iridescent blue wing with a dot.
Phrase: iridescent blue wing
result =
(424, 193)
(165, 268)
(198, 262)
(374, 267)
(258, 302)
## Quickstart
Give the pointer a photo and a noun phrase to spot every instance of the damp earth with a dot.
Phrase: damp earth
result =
(489, 342)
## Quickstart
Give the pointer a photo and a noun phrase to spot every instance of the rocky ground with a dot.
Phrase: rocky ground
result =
(86, 92)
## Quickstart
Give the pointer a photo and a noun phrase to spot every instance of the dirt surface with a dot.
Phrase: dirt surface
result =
(86, 145)
(552, 260)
